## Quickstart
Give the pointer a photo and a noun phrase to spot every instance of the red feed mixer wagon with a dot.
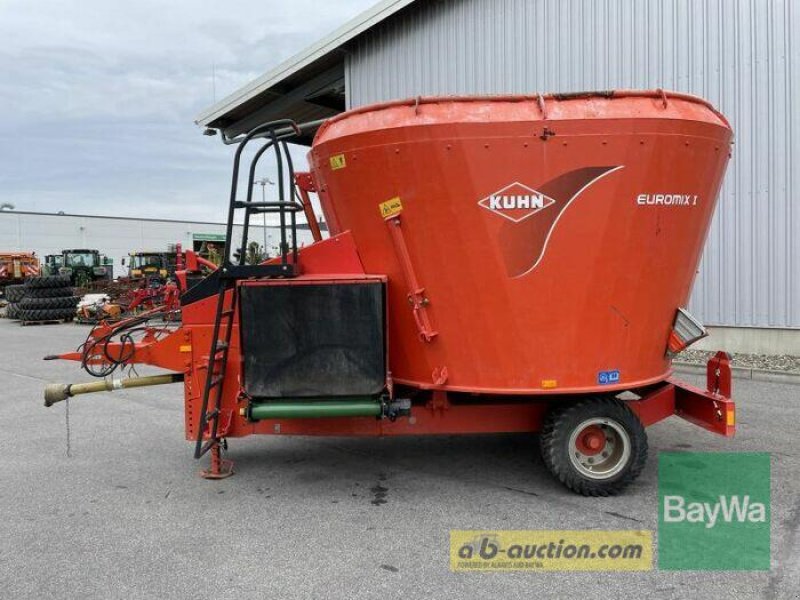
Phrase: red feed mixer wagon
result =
(494, 264)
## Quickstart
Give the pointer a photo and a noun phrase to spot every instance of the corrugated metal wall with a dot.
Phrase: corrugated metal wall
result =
(736, 53)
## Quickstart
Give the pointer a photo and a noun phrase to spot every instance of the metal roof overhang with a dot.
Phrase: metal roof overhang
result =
(308, 87)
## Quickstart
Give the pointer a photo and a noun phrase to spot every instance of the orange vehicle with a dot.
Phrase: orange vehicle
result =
(496, 264)
(15, 267)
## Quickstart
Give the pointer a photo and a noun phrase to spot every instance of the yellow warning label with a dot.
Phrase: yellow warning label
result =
(186, 348)
(390, 208)
(549, 384)
(338, 162)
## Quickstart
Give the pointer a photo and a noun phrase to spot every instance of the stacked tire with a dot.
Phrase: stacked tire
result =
(47, 299)
(13, 294)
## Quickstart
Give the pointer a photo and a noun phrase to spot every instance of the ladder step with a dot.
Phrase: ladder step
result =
(220, 348)
(211, 415)
(227, 313)
(268, 206)
(216, 381)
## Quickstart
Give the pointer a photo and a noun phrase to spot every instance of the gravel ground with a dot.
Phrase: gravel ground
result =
(772, 362)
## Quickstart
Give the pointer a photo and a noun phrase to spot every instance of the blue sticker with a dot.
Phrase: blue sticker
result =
(608, 377)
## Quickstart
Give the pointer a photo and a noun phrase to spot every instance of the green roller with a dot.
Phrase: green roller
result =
(313, 409)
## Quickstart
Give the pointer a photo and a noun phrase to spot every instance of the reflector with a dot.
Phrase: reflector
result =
(686, 330)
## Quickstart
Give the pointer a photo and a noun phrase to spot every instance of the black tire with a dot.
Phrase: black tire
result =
(63, 302)
(48, 281)
(47, 314)
(12, 311)
(14, 293)
(607, 421)
(59, 292)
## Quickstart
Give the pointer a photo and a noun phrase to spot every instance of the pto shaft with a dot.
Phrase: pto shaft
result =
(56, 392)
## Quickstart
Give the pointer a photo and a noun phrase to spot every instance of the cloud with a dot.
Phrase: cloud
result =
(99, 97)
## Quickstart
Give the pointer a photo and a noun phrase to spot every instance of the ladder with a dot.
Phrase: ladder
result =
(209, 435)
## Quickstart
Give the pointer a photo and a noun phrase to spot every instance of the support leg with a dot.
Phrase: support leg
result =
(219, 468)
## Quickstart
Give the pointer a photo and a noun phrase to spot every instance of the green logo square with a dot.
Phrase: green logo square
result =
(714, 511)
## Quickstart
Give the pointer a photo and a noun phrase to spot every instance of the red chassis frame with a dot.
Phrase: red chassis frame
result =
(185, 351)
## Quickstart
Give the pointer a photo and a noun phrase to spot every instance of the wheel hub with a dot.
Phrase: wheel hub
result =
(591, 441)
(599, 448)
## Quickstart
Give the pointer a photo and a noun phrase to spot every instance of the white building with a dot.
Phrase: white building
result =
(116, 237)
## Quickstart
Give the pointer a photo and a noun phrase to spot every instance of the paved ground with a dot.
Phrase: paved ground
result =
(127, 517)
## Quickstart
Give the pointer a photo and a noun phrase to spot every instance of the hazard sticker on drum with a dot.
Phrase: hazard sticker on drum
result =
(338, 162)
(391, 208)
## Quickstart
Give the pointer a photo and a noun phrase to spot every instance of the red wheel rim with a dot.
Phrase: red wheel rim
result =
(591, 441)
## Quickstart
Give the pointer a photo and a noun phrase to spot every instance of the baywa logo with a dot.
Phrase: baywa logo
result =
(727, 508)
(530, 215)
(714, 511)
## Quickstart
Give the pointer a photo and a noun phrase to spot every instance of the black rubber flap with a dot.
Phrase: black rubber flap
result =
(313, 341)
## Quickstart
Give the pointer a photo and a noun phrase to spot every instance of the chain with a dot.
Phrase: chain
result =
(66, 417)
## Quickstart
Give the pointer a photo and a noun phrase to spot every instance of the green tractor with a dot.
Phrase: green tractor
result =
(52, 264)
(85, 266)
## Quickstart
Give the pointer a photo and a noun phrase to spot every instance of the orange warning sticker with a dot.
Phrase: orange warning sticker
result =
(391, 208)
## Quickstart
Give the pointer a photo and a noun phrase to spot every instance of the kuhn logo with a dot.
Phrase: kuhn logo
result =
(523, 241)
(516, 202)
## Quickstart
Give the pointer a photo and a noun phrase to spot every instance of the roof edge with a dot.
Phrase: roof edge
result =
(350, 30)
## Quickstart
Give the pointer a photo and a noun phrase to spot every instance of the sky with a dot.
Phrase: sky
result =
(98, 98)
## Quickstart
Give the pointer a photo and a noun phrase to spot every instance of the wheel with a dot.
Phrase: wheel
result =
(49, 281)
(12, 311)
(14, 293)
(595, 447)
(55, 292)
(62, 302)
(46, 314)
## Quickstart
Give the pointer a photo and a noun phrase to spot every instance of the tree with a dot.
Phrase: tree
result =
(255, 254)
